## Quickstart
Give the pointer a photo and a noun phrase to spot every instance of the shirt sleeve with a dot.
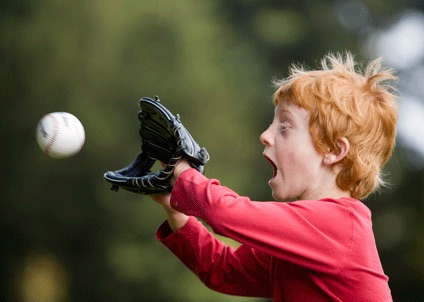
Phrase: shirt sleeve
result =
(316, 235)
(242, 271)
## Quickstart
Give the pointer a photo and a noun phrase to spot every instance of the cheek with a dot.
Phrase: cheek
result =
(298, 158)
(305, 147)
(292, 151)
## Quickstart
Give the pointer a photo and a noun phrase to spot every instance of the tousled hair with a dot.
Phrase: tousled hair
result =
(346, 102)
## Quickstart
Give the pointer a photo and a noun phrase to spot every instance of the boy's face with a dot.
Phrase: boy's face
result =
(298, 168)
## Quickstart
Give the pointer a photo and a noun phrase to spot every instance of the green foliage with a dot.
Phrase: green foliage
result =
(210, 61)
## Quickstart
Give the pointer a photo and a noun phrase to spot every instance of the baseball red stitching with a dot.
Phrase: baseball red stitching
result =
(54, 134)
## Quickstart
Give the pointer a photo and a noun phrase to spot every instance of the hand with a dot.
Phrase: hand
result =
(162, 199)
(176, 220)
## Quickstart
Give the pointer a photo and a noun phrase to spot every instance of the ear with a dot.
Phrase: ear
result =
(334, 156)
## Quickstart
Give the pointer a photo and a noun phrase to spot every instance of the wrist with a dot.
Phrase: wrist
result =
(176, 220)
(179, 168)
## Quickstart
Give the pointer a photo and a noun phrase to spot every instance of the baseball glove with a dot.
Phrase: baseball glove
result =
(164, 139)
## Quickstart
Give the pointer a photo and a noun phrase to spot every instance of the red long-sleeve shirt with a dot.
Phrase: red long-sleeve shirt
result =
(307, 250)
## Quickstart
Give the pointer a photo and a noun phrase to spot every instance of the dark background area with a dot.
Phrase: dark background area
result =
(64, 236)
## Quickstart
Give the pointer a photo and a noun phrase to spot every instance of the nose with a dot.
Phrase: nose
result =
(265, 137)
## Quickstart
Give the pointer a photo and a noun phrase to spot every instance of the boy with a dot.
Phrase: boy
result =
(332, 132)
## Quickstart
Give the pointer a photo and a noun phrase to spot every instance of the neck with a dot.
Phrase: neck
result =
(336, 193)
(326, 188)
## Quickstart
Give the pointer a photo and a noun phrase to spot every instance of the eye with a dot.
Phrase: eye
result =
(283, 127)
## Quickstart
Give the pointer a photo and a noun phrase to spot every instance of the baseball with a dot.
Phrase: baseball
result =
(60, 135)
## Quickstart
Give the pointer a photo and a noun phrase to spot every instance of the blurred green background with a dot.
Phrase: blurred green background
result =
(66, 237)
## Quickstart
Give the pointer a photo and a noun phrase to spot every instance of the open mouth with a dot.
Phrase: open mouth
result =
(272, 164)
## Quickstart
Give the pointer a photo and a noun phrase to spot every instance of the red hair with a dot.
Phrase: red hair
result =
(343, 102)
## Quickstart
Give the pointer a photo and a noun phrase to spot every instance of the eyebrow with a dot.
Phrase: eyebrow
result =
(286, 114)
(284, 110)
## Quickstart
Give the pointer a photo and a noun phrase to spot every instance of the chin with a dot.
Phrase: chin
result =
(278, 196)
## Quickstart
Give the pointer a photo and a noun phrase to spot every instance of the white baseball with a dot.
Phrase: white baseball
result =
(60, 134)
